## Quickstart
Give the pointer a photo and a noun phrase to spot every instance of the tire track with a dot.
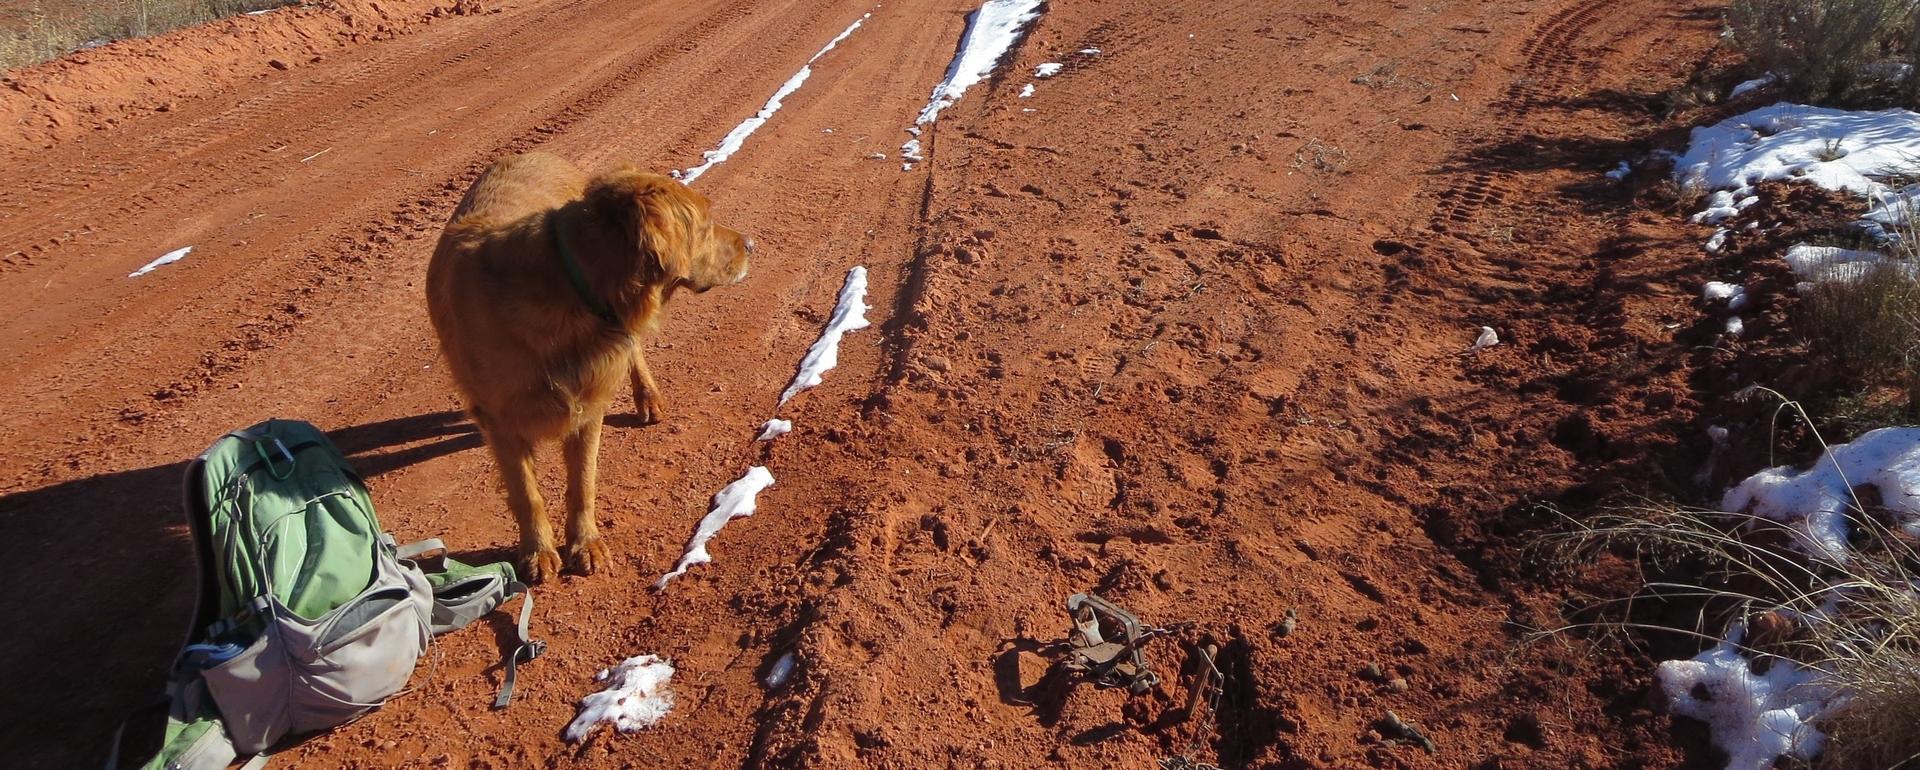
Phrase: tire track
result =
(1553, 61)
(181, 153)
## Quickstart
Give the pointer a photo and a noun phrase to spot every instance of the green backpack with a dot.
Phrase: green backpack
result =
(308, 614)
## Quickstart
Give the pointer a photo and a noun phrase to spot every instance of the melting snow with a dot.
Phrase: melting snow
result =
(165, 259)
(848, 314)
(735, 501)
(1718, 242)
(1735, 326)
(1621, 171)
(636, 697)
(1752, 85)
(1486, 340)
(1027, 91)
(1733, 293)
(1046, 70)
(1755, 718)
(1814, 502)
(1090, 51)
(1836, 149)
(991, 32)
(1830, 263)
(774, 429)
(730, 144)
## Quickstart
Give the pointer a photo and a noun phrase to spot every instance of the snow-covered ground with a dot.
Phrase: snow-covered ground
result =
(774, 429)
(1814, 502)
(636, 696)
(165, 259)
(849, 313)
(1757, 716)
(731, 143)
(735, 501)
(1835, 149)
(991, 32)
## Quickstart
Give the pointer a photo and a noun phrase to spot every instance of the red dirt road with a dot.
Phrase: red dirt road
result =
(1188, 333)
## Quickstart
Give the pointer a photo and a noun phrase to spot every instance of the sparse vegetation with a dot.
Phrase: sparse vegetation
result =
(1870, 322)
(1319, 156)
(42, 34)
(1857, 623)
(1818, 47)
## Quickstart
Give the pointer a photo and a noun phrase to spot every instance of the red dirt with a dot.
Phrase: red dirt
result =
(1189, 334)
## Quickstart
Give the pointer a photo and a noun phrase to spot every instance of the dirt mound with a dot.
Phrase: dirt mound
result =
(97, 88)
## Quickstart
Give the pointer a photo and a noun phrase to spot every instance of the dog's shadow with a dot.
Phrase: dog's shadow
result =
(113, 548)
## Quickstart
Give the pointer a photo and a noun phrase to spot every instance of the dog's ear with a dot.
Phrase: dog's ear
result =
(653, 216)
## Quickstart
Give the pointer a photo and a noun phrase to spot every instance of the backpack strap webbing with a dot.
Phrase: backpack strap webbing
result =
(527, 651)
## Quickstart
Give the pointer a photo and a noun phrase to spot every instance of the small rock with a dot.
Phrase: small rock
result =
(1372, 673)
(276, 64)
(166, 106)
(937, 363)
(1286, 625)
(1397, 684)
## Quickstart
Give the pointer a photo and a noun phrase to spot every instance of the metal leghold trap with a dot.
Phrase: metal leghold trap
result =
(1104, 644)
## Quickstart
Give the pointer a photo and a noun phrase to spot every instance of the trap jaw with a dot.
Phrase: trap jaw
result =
(1115, 662)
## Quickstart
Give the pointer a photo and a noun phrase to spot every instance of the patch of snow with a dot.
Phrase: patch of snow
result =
(1046, 70)
(849, 313)
(991, 32)
(1735, 294)
(1718, 243)
(1754, 718)
(731, 143)
(636, 697)
(1486, 340)
(1835, 149)
(1090, 51)
(1752, 85)
(910, 151)
(1832, 263)
(1735, 326)
(165, 259)
(774, 429)
(1814, 502)
(1620, 172)
(781, 671)
(735, 501)
(1026, 91)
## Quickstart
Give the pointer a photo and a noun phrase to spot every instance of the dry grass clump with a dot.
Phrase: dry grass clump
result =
(1856, 623)
(1870, 322)
(44, 33)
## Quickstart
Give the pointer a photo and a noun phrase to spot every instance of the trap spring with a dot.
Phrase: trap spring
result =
(1109, 662)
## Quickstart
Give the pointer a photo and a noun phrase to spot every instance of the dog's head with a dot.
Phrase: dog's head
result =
(671, 230)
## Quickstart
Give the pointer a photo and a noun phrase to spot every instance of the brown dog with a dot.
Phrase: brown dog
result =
(540, 288)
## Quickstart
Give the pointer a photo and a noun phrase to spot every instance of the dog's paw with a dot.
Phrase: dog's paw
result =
(588, 556)
(539, 564)
(649, 408)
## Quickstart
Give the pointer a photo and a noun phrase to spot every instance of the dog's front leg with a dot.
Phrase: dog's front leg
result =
(538, 559)
(585, 551)
(646, 393)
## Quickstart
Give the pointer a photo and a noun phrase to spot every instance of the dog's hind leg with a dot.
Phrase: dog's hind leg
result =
(646, 393)
(538, 559)
(586, 553)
